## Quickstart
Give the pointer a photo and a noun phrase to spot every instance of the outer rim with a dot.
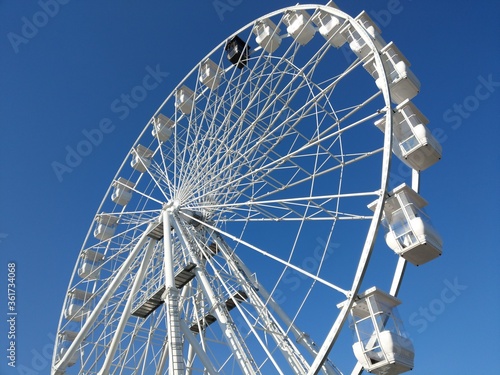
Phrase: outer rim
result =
(387, 154)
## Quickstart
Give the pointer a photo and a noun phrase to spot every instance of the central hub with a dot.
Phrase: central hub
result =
(172, 205)
(190, 216)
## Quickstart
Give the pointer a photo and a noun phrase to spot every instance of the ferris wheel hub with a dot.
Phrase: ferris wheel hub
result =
(172, 205)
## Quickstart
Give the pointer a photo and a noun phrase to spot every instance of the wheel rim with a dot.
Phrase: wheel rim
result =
(280, 155)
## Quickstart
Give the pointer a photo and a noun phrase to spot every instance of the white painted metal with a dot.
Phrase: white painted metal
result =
(125, 316)
(374, 225)
(115, 283)
(296, 361)
(195, 347)
(171, 296)
(279, 146)
(236, 342)
(251, 287)
(160, 369)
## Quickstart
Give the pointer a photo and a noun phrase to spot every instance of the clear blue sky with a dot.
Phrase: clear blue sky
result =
(62, 78)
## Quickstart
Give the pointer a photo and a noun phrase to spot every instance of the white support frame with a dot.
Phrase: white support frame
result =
(377, 216)
(127, 312)
(173, 348)
(115, 283)
(171, 296)
(228, 327)
(291, 353)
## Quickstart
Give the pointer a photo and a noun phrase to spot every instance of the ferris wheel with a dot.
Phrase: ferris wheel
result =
(237, 235)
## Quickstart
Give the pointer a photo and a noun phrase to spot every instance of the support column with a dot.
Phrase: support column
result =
(234, 339)
(171, 296)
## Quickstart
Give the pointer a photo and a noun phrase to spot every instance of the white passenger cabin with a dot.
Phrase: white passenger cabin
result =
(66, 338)
(410, 233)
(412, 141)
(78, 306)
(403, 84)
(162, 127)
(329, 26)
(356, 42)
(106, 226)
(90, 266)
(380, 343)
(210, 74)
(267, 35)
(141, 158)
(184, 99)
(299, 26)
(122, 192)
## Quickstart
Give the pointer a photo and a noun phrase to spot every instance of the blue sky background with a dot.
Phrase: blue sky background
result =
(61, 78)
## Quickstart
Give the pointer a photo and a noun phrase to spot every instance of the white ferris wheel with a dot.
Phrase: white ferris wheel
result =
(240, 234)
